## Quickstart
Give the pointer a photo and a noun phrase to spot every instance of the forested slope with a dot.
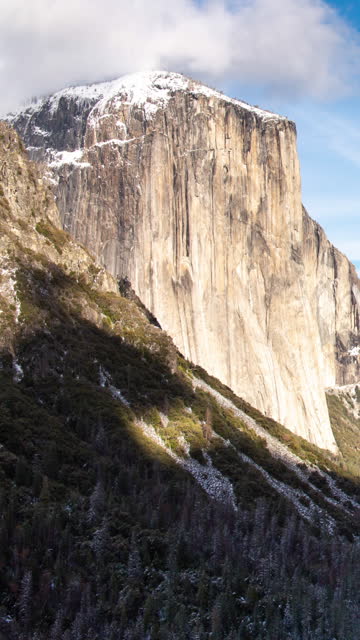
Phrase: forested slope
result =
(139, 497)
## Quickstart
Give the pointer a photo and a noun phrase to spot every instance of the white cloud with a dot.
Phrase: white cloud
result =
(291, 47)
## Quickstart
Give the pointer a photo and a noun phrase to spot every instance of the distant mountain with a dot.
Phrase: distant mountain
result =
(195, 198)
(139, 497)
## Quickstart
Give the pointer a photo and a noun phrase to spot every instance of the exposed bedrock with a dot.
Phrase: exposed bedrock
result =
(197, 200)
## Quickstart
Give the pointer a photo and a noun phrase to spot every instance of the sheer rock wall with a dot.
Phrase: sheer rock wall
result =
(197, 200)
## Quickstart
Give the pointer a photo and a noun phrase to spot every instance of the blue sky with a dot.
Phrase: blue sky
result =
(300, 58)
(329, 149)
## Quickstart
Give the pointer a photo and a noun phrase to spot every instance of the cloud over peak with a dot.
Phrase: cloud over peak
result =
(297, 48)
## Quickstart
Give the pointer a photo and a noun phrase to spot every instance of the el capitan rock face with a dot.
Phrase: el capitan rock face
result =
(196, 198)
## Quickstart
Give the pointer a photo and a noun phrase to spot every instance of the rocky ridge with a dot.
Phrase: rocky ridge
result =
(196, 198)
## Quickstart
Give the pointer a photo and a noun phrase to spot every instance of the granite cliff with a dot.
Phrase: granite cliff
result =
(139, 497)
(196, 198)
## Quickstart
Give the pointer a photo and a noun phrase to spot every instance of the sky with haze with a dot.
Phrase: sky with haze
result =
(300, 58)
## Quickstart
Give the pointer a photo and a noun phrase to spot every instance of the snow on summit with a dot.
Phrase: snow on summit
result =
(85, 106)
(149, 90)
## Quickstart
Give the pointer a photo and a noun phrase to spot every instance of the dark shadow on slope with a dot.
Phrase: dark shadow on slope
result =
(65, 359)
(346, 475)
(95, 514)
(63, 365)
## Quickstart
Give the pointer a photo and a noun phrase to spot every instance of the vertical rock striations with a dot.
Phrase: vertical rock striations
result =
(197, 199)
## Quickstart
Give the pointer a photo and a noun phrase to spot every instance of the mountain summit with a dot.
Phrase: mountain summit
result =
(139, 89)
(196, 199)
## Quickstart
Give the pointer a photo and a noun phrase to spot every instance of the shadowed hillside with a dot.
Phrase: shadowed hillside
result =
(139, 497)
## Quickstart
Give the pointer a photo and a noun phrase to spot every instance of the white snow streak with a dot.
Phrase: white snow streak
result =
(281, 451)
(18, 371)
(116, 142)
(105, 381)
(217, 486)
(8, 289)
(67, 157)
(307, 511)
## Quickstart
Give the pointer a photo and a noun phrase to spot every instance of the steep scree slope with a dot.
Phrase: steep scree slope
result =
(196, 198)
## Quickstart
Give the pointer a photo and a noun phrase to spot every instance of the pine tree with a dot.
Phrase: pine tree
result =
(25, 600)
(217, 620)
(101, 541)
(96, 503)
(56, 629)
(134, 567)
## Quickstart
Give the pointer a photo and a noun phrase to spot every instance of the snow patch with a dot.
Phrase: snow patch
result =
(298, 466)
(40, 132)
(217, 486)
(149, 91)
(116, 142)
(18, 371)
(49, 177)
(304, 505)
(105, 381)
(116, 393)
(307, 509)
(68, 158)
(8, 289)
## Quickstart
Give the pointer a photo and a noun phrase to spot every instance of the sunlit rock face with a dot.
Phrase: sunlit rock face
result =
(196, 198)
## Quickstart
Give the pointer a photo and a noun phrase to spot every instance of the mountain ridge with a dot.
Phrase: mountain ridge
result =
(195, 198)
(142, 87)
